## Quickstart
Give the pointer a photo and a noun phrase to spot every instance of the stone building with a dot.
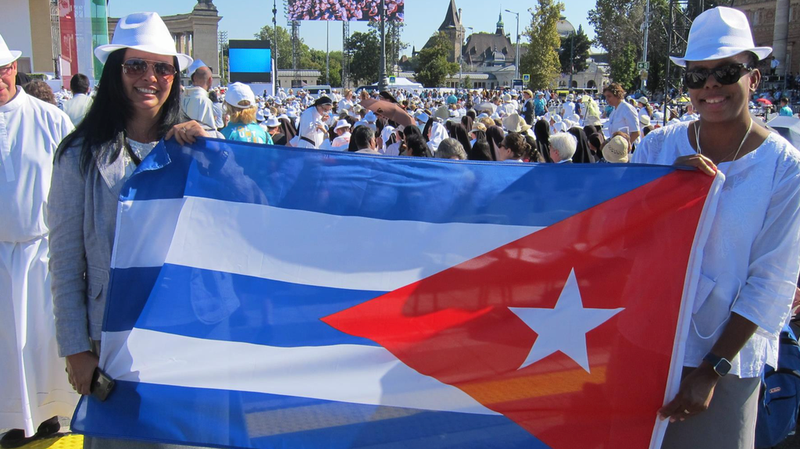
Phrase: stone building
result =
(486, 59)
(489, 49)
(195, 33)
(452, 27)
(762, 17)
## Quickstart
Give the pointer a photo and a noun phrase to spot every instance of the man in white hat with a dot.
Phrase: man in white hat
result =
(568, 108)
(342, 139)
(33, 386)
(195, 103)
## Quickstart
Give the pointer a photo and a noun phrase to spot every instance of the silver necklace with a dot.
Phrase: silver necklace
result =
(735, 155)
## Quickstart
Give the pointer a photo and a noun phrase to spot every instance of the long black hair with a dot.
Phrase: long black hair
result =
(111, 111)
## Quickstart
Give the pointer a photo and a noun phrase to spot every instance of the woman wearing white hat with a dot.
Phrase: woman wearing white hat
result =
(137, 104)
(751, 261)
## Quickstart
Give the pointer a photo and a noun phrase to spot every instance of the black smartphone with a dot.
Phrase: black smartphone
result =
(102, 385)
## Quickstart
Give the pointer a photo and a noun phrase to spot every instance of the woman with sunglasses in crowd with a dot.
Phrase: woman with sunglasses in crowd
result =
(751, 260)
(137, 104)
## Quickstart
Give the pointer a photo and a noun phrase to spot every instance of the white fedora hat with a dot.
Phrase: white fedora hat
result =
(720, 33)
(7, 56)
(143, 31)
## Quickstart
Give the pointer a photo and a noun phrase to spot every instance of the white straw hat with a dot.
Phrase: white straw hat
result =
(7, 56)
(720, 33)
(143, 31)
(341, 124)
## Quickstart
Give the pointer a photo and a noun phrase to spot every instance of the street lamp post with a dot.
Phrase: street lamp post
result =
(516, 60)
(382, 81)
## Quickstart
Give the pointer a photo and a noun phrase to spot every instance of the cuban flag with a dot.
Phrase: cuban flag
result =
(269, 297)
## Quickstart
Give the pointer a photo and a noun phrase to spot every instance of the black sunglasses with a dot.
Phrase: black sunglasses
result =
(138, 67)
(725, 75)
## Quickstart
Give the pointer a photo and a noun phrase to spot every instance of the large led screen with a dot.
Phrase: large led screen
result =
(250, 61)
(341, 10)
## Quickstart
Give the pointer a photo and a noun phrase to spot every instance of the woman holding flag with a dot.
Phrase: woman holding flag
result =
(137, 104)
(751, 260)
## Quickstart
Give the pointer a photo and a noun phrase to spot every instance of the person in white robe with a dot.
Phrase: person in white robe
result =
(33, 387)
(195, 102)
(312, 129)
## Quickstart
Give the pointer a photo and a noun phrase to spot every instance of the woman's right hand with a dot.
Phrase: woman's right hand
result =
(80, 369)
(699, 162)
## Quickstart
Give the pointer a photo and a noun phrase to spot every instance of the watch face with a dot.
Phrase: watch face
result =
(722, 367)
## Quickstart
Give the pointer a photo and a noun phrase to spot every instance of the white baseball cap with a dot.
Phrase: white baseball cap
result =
(7, 56)
(720, 33)
(143, 31)
(240, 95)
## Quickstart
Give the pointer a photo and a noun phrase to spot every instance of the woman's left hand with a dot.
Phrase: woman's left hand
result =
(186, 133)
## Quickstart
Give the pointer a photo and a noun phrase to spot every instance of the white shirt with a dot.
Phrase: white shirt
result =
(77, 108)
(392, 150)
(624, 116)
(30, 131)
(750, 261)
(567, 109)
(197, 106)
(307, 128)
(341, 142)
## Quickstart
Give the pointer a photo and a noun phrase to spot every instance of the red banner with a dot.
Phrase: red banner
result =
(69, 48)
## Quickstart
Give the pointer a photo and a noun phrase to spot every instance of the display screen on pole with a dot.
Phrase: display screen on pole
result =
(250, 61)
(344, 10)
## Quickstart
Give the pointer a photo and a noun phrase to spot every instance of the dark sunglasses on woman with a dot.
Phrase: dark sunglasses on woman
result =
(138, 67)
(725, 75)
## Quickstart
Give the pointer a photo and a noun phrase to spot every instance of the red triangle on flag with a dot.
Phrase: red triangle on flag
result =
(630, 252)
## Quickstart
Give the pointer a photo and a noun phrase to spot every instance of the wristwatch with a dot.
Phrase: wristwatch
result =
(721, 365)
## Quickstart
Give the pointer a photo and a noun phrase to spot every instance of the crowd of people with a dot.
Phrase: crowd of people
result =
(345, 10)
(62, 172)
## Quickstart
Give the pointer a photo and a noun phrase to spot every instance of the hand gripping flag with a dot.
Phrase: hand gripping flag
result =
(274, 297)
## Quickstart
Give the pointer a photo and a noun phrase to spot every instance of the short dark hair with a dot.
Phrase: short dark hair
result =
(79, 84)
(784, 100)
(361, 137)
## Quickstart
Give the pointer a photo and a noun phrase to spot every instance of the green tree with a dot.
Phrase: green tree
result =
(579, 49)
(433, 66)
(394, 46)
(623, 67)
(318, 61)
(467, 82)
(541, 58)
(267, 33)
(365, 56)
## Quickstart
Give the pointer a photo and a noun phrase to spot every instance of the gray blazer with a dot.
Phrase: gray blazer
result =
(82, 214)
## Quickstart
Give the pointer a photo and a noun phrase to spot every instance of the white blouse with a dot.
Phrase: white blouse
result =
(751, 260)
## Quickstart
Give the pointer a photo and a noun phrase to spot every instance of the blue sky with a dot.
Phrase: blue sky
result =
(243, 18)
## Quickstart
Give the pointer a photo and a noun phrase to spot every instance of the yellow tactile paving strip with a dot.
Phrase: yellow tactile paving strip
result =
(59, 442)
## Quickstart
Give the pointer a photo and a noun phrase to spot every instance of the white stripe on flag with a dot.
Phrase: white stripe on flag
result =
(308, 248)
(147, 228)
(345, 373)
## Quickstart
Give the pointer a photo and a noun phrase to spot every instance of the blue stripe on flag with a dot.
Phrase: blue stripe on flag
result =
(418, 189)
(209, 304)
(128, 291)
(223, 418)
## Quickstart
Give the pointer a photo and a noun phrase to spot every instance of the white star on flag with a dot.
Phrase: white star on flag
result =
(564, 327)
